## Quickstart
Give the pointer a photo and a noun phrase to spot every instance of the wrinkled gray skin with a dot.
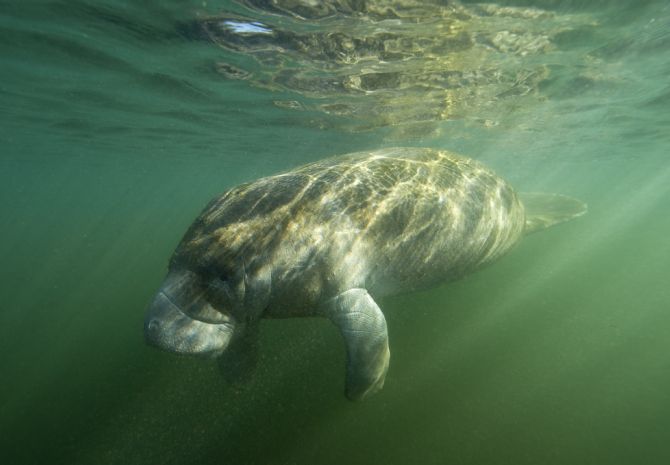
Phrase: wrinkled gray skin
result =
(329, 239)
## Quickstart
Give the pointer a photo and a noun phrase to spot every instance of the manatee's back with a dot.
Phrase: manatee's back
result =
(424, 216)
(392, 219)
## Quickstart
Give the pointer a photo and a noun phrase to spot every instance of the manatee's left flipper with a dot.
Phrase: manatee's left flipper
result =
(238, 362)
(363, 327)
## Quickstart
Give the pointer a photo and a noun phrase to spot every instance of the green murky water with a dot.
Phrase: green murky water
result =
(120, 119)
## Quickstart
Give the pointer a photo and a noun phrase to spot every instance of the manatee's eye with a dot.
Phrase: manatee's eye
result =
(212, 281)
(218, 292)
(208, 271)
(217, 285)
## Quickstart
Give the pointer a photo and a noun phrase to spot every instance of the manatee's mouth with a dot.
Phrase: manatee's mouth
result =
(167, 327)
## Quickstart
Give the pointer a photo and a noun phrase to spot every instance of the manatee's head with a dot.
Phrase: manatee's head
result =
(192, 313)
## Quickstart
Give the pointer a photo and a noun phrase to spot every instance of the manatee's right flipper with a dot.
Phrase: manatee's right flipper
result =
(363, 328)
(238, 362)
(545, 210)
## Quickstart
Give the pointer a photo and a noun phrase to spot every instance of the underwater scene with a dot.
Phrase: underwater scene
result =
(188, 276)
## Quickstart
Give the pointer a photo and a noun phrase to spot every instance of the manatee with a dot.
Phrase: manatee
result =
(329, 239)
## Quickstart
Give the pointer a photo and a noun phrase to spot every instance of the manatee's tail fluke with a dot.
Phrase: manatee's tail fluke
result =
(545, 210)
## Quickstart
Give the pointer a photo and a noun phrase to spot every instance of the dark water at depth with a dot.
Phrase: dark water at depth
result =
(121, 119)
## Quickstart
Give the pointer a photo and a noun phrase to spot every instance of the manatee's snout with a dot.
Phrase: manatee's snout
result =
(170, 324)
